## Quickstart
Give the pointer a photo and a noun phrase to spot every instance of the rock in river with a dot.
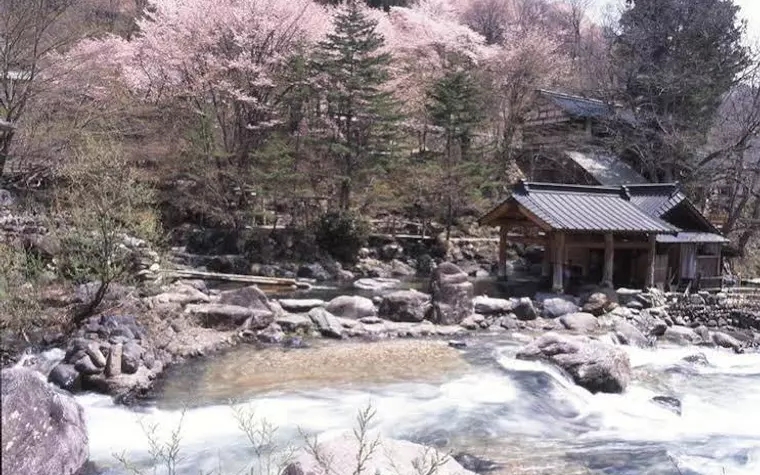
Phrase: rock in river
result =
(389, 457)
(43, 429)
(556, 307)
(485, 305)
(351, 306)
(579, 321)
(452, 295)
(326, 323)
(593, 365)
(404, 306)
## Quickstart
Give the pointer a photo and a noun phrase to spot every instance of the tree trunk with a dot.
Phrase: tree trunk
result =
(5, 148)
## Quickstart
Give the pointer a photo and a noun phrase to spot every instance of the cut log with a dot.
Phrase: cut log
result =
(247, 279)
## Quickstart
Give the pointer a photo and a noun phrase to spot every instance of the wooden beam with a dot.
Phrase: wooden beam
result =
(502, 251)
(651, 260)
(246, 279)
(559, 253)
(609, 260)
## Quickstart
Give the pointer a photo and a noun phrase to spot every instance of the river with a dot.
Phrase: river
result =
(524, 416)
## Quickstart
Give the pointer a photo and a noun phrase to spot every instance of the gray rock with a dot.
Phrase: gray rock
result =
(314, 271)
(628, 334)
(726, 341)
(404, 306)
(371, 320)
(626, 296)
(579, 321)
(597, 303)
(524, 309)
(473, 322)
(43, 430)
(271, 334)
(230, 317)
(681, 335)
(451, 295)
(377, 283)
(557, 307)
(326, 323)
(65, 377)
(250, 297)
(85, 366)
(113, 363)
(294, 323)
(131, 355)
(401, 269)
(509, 322)
(668, 402)
(300, 305)
(389, 456)
(93, 351)
(351, 306)
(485, 305)
(457, 344)
(698, 359)
(591, 364)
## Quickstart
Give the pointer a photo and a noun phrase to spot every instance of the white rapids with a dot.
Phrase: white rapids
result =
(516, 412)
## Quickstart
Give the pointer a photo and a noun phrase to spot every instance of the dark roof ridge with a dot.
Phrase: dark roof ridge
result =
(572, 96)
(526, 187)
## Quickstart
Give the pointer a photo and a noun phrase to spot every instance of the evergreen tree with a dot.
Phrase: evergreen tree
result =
(455, 105)
(352, 70)
(676, 59)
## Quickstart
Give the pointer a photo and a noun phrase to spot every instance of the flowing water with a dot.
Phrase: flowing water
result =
(524, 416)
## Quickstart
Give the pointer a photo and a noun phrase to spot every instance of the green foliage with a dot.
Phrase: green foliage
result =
(455, 105)
(342, 234)
(361, 118)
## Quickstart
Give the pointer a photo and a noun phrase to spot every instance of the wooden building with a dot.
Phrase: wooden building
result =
(565, 139)
(626, 235)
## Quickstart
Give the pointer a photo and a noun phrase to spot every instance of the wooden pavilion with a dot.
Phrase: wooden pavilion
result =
(629, 235)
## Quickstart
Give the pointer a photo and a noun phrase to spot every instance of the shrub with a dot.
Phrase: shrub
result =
(342, 234)
(19, 288)
(102, 202)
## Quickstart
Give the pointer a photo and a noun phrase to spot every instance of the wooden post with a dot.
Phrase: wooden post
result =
(546, 264)
(609, 260)
(651, 259)
(559, 253)
(502, 251)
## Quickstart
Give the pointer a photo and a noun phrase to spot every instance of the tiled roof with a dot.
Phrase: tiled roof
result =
(606, 169)
(583, 208)
(579, 106)
(656, 199)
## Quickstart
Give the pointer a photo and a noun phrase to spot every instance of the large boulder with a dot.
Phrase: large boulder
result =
(230, 317)
(338, 455)
(525, 310)
(628, 334)
(451, 294)
(557, 306)
(249, 297)
(726, 341)
(326, 323)
(593, 365)
(485, 305)
(681, 335)
(43, 429)
(580, 322)
(351, 306)
(314, 271)
(597, 303)
(404, 306)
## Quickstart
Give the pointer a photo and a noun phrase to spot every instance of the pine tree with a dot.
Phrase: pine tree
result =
(455, 105)
(675, 60)
(352, 71)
